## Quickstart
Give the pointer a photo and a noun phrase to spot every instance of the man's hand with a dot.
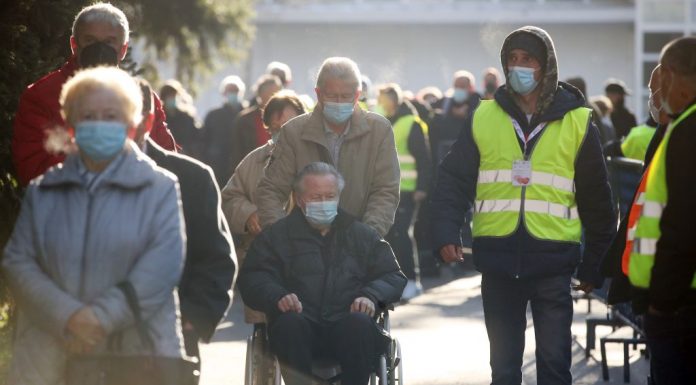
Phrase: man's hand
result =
(419, 196)
(290, 303)
(584, 286)
(253, 225)
(452, 253)
(84, 325)
(363, 305)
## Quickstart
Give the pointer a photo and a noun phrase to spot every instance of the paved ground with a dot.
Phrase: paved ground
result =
(443, 339)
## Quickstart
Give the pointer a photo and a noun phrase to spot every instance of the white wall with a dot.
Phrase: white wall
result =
(419, 55)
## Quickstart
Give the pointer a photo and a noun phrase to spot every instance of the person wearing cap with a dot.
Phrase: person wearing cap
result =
(622, 119)
(99, 37)
(530, 164)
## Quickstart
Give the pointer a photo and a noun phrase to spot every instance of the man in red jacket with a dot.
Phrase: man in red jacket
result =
(99, 37)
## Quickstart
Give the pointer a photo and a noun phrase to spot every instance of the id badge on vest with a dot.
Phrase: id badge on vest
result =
(521, 173)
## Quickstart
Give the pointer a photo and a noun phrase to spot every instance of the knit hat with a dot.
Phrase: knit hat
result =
(530, 43)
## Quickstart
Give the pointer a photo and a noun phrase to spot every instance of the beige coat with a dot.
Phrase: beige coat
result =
(367, 161)
(238, 203)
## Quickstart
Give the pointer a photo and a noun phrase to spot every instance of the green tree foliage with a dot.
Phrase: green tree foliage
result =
(34, 40)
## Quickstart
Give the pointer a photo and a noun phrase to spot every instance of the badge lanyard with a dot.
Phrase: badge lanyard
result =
(524, 138)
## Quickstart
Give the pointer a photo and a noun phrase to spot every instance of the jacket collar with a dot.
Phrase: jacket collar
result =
(131, 169)
(314, 128)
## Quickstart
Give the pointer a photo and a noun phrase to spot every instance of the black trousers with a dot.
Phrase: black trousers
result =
(672, 343)
(398, 236)
(352, 341)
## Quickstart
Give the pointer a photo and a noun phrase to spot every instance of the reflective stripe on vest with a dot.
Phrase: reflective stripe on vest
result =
(407, 163)
(548, 202)
(642, 237)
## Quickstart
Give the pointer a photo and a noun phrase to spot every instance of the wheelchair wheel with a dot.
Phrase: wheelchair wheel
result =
(261, 367)
(396, 374)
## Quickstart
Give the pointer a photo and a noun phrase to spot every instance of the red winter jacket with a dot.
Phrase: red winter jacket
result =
(39, 110)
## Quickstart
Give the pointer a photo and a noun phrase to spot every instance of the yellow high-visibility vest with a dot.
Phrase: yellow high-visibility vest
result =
(547, 202)
(407, 163)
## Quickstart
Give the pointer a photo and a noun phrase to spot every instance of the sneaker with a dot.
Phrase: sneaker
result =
(413, 289)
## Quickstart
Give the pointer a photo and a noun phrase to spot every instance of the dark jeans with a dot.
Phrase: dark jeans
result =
(191, 338)
(505, 312)
(672, 343)
(353, 341)
(398, 236)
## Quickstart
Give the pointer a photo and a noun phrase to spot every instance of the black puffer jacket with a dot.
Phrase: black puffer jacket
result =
(327, 273)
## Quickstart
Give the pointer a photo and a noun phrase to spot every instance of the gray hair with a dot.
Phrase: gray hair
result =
(341, 68)
(280, 70)
(102, 12)
(235, 80)
(317, 168)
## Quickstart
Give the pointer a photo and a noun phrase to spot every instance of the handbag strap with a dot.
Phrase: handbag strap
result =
(132, 298)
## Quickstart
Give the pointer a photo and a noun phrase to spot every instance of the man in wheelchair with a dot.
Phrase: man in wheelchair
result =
(320, 276)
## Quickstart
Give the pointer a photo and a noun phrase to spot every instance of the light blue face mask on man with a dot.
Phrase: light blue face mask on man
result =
(321, 213)
(338, 113)
(232, 99)
(100, 140)
(460, 95)
(522, 79)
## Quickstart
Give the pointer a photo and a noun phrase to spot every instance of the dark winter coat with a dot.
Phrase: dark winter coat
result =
(520, 255)
(327, 273)
(217, 139)
(418, 146)
(210, 268)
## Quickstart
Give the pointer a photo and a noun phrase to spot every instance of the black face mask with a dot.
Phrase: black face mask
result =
(490, 87)
(97, 54)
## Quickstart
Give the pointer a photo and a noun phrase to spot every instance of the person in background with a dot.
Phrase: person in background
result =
(248, 131)
(282, 71)
(360, 144)
(365, 87)
(491, 82)
(603, 109)
(205, 288)
(463, 97)
(621, 118)
(181, 117)
(320, 276)
(635, 145)
(660, 254)
(429, 96)
(239, 194)
(105, 216)
(99, 37)
(535, 206)
(218, 129)
(410, 136)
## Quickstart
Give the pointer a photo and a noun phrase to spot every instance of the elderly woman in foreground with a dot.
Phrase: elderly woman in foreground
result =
(107, 215)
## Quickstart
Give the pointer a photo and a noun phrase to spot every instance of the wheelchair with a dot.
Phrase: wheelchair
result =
(262, 368)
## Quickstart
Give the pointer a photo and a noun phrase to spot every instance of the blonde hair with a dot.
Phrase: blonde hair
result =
(91, 80)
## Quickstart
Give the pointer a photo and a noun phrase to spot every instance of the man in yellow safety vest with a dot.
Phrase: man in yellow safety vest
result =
(660, 254)
(531, 165)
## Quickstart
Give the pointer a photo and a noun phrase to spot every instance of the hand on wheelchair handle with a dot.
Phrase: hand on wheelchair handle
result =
(363, 305)
(290, 303)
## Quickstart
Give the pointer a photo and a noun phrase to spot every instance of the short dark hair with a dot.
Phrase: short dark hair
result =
(279, 102)
(679, 55)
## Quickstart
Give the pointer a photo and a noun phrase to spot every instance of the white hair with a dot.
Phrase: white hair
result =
(319, 169)
(233, 80)
(341, 68)
(102, 12)
(281, 70)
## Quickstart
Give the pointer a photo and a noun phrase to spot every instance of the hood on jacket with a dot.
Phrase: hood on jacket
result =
(548, 82)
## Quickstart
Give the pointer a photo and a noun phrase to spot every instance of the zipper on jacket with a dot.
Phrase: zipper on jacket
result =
(526, 156)
(83, 261)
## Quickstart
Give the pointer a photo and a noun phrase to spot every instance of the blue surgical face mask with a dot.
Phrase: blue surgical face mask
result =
(522, 79)
(100, 140)
(321, 213)
(338, 113)
(460, 95)
(170, 104)
(232, 98)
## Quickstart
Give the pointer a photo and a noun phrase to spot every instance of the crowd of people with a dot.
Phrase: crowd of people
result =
(137, 219)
